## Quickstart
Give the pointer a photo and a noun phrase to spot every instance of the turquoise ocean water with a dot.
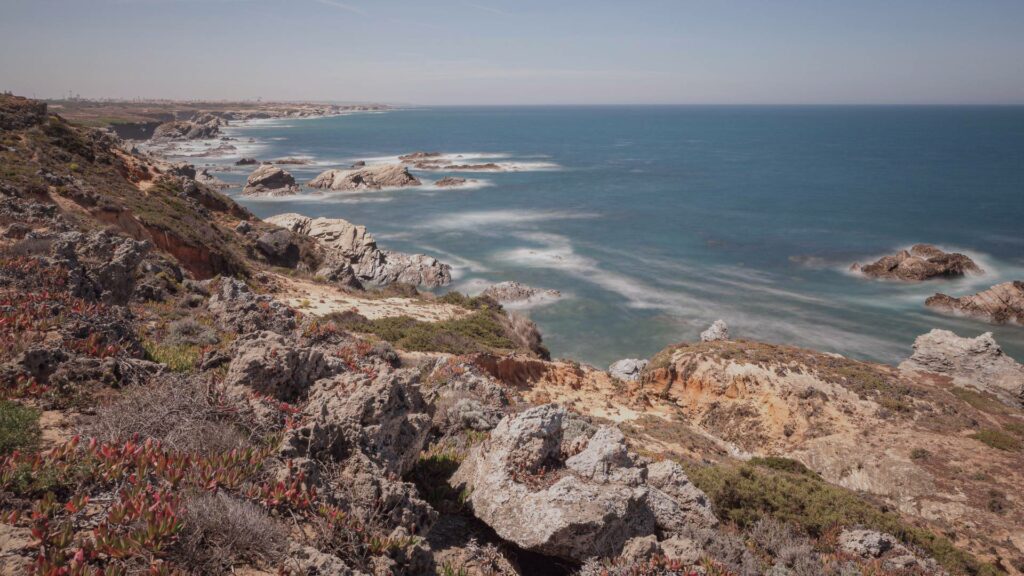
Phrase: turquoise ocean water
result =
(655, 221)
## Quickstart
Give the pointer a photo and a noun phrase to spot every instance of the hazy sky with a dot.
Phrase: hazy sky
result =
(519, 52)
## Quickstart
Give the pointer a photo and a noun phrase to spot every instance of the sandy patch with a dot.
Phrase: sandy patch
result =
(321, 299)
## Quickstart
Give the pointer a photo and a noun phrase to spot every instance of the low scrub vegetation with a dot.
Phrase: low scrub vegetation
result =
(998, 439)
(746, 494)
(19, 427)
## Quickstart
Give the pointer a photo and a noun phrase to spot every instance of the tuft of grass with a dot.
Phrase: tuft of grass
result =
(745, 494)
(19, 427)
(983, 402)
(920, 454)
(177, 357)
(998, 439)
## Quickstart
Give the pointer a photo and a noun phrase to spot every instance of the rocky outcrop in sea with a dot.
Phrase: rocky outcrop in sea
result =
(920, 262)
(269, 180)
(372, 178)
(512, 292)
(353, 245)
(1000, 304)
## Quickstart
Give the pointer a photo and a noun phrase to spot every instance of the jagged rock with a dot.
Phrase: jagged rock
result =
(627, 369)
(181, 170)
(204, 177)
(466, 399)
(309, 561)
(348, 244)
(871, 544)
(200, 127)
(589, 504)
(271, 364)
(373, 178)
(247, 162)
(971, 362)
(450, 182)
(920, 262)
(375, 428)
(279, 247)
(269, 180)
(999, 304)
(718, 330)
(241, 311)
(418, 156)
(511, 292)
(101, 265)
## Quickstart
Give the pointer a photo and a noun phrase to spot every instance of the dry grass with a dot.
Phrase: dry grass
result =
(221, 532)
(184, 414)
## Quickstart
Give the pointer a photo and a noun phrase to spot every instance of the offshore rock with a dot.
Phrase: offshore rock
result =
(373, 178)
(269, 180)
(920, 262)
(1000, 304)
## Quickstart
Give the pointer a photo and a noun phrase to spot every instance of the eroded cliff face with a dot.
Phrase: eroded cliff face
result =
(905, 436)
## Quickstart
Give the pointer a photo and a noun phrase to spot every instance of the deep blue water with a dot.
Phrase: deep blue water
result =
(655, 221)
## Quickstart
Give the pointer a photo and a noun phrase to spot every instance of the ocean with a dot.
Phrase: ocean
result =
(655, 221)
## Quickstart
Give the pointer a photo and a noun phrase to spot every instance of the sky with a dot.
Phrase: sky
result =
(519, 51)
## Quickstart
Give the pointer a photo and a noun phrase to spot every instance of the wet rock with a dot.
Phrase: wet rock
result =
(372, 178)
(269, 180)
(1000, 304)
(351, 245)
(450, 182)
(977, 363)
(718, 330)
(589, 504)
(247, 162)
(920, 262)
(627, 369)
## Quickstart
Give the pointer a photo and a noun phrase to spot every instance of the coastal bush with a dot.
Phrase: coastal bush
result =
(189, 332)
(184, 413)
(481, 331)
(220, 531)
(177, 357)
(782, 464)
(19, 427)
(998, 439)
(745, 494)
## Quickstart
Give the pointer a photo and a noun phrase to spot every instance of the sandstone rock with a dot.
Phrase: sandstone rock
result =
(348, 244)
(590, 504)
(627, 369)
(718, 330)
(512, 292)
(920, 262)
(269, 180)
(1000, 304)
(971, 362)
(372, 178)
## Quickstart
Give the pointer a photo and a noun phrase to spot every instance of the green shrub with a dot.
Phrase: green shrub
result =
(481, 331)
(998, 439)
(920, 454)
(782, 464)
(745, 494)
(19, 427)
(177, 357)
